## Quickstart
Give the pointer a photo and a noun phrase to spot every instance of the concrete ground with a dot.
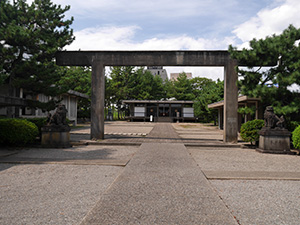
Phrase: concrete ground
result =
(115, 132)
(257, 188)
(140, 175)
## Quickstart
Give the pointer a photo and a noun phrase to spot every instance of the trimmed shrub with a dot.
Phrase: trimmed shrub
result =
(296, 137)
(17, 132)
(39, 122)
(249, 131)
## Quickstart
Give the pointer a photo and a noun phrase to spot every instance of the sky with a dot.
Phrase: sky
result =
(177, 25)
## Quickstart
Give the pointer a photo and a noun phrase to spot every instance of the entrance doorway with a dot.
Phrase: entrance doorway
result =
(164, 110)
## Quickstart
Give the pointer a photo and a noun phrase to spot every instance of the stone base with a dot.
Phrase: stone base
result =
(55, 138)
(276, 141)
(275, 152)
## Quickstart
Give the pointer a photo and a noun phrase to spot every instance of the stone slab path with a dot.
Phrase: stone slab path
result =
(162, 184)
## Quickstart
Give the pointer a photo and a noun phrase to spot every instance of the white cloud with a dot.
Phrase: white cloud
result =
(121, 38)
(294, 88)
(270, 21)
(103, 38)
(154, 8)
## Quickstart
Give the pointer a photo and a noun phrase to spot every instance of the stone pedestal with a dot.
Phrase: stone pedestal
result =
(276, 141)
(56, 136)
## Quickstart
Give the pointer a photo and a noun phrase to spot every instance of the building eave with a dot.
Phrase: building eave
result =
(241, 99)
(157, 101)
(77, 94)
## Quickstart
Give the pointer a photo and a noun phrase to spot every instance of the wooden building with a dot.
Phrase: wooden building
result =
(159, 111)
(20, 109)
(243, 101)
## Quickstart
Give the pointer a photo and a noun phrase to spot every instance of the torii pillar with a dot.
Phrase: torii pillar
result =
(97, 100)
(230, 131)
(99, 59)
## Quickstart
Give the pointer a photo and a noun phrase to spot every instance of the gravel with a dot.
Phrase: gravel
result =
(88, 152)
(260, 201)
(51, 194)
(228, 159)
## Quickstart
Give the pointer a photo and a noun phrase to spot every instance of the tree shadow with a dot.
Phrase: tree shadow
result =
(76, 155)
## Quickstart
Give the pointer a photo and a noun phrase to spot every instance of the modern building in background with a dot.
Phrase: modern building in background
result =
(174, 76)
(158, 71)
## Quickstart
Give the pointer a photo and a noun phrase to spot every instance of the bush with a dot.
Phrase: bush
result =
(249, 130)
(17, 132)
(296, 137)
(39, 122)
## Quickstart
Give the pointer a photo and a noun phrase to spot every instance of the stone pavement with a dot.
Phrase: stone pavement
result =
(185, 177)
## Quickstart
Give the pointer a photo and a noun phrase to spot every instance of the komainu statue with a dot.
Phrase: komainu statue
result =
(273, 137)
(272, 121)
(59, 118)
(57, 131)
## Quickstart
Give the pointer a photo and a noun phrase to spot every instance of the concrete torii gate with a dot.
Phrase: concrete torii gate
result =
(99, 59)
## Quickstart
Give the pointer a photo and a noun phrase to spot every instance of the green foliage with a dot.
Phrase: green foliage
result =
(30, 35)
(151, 87)
(206, 91)
(168, 89)
(291, 125)
(17, 132)
(78, 78)
(84, 112)
(249, 130)
(182, 88)
(272, 84)
(296, 137)
(128, 82)
(45, 106)
(246, 110)
(39, 122)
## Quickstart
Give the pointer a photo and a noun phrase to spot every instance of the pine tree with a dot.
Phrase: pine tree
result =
(129, 82)
(183, 89)
(30, 35)
(272, 84)
(206, 91)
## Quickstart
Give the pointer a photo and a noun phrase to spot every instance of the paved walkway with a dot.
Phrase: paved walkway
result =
(161, 185)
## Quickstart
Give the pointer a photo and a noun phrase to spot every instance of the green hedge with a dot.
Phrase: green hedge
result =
(39, 122)
(17, 132)
(249, 130)
(296, 137)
